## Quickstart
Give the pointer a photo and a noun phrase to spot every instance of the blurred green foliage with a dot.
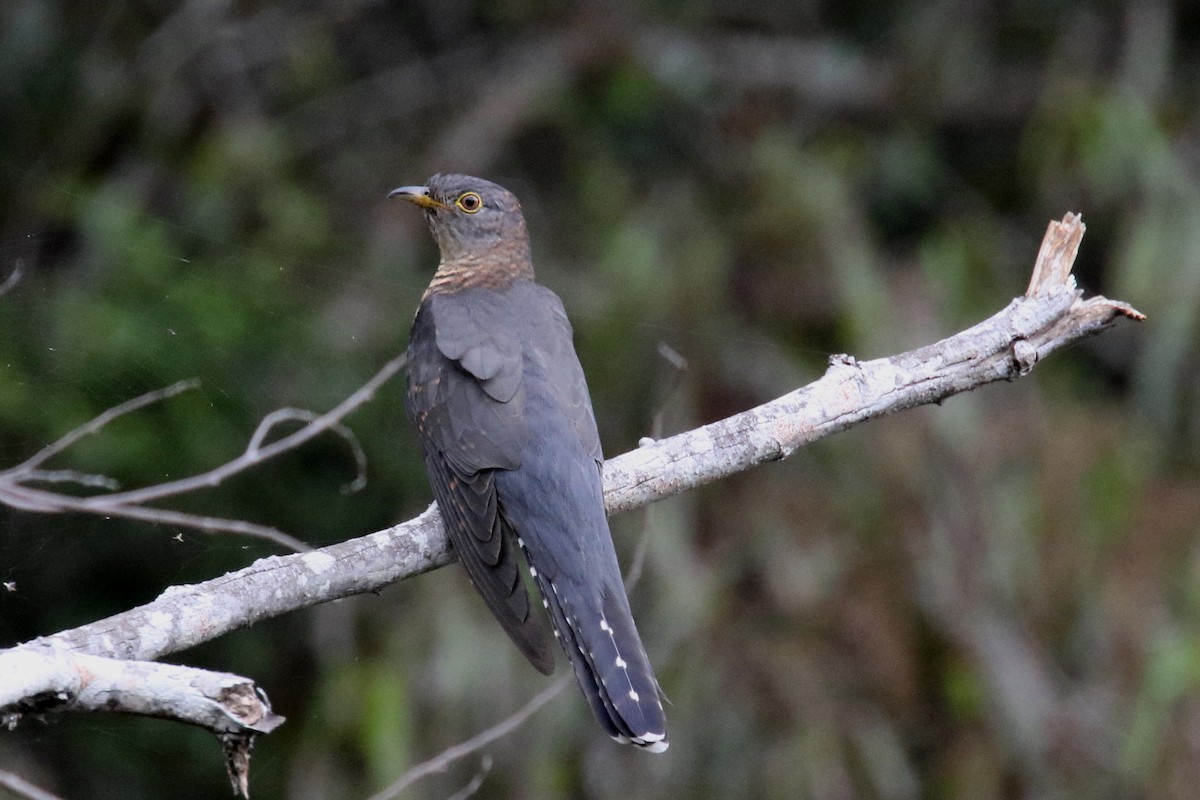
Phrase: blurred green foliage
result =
(994, 598)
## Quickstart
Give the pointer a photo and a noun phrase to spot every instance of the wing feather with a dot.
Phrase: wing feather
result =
(467, 433)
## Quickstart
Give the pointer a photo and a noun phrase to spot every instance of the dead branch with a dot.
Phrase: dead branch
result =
(13, 278)
(130, 504)
(23, 788)
(40, 680)
(1003, 347)
(95, 425)
(444, 759)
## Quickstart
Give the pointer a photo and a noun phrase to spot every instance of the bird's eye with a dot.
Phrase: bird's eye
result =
(469, 202)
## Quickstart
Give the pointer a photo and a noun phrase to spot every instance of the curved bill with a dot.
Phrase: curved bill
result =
(418, 195)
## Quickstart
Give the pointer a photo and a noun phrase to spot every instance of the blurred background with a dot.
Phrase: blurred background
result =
(995, 598)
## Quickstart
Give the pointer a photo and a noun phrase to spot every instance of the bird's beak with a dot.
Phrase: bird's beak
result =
(418, 195)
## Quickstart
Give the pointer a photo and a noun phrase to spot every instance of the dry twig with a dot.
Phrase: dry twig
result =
(476, 743)
(23, 788)
(13, 278)
(131, 504)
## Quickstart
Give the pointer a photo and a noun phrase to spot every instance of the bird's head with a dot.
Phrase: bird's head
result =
(471, 219)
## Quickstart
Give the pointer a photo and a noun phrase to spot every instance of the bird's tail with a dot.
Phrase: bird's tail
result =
(611, 665)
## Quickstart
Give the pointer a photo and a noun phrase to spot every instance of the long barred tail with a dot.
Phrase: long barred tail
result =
(602, 643)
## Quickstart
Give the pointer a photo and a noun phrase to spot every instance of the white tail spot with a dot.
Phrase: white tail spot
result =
(634, 696)
(656, 747)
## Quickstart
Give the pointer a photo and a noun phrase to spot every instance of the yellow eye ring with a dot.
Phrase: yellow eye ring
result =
(469, 202)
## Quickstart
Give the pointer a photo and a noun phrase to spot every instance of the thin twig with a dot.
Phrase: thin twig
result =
(72, 476)
(304, 415)
(29, 499)
(485, 766)
(93, 425)
(13, 278)
(129, 504)
(199, 522)
(451, 754)
(252, 457)
(276, 417)
(21, 787)
(678, 367)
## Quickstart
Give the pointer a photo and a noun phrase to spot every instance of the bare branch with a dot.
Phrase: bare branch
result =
(29, 499)
(1056, 256)
(72, 476)
(40, 680)
(13, 278)
(43, 679)
(444, 759)
(257, 455)
(1003, 347)
(94, 425)
(285, 414)
(23, 788)
(237, 748)
(129, 504)
(485, 766)
(182, 615)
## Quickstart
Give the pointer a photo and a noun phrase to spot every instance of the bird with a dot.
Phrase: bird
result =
(502, 411)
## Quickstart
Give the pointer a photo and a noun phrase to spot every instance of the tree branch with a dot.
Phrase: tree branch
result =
(1003, 347)
(29, 466)
(44, 679)
(130, 504)
(23, 788)
(13, 278)
(39, 680)
(444, 759)
(1006, 346)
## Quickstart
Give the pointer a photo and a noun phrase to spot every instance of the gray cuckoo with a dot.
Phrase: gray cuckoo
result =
(505, 422)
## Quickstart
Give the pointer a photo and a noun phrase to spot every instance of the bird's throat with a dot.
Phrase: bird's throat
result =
(471, 273)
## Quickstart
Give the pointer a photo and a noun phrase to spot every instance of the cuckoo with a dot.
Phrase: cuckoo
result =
(504, 418)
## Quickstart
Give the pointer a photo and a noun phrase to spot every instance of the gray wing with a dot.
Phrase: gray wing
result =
(465, 398)
(551, 344)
